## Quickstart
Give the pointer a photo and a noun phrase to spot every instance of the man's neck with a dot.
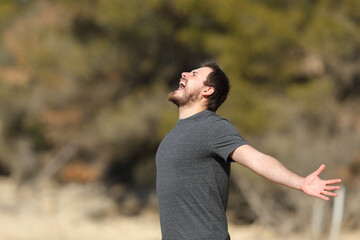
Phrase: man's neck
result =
(188, 111)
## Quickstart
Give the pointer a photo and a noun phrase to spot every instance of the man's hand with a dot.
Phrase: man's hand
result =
(316, 187)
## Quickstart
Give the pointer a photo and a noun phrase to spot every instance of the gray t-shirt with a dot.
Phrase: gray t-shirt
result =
(192, 183)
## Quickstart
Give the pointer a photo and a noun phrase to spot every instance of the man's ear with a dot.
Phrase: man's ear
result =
(208, 91)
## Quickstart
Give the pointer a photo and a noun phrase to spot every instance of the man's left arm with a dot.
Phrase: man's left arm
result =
(273, 170)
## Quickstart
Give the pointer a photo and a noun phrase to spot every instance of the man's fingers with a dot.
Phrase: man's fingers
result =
(331, 188)
(320, 169)
(330, 194)
(323, 197)
(332, 181)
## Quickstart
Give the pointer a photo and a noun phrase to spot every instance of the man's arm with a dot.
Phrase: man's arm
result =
(273, 170)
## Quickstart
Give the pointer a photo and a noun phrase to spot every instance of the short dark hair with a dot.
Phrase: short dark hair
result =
(220, 82)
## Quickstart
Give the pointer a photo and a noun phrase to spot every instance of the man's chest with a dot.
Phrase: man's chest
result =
(183, 152)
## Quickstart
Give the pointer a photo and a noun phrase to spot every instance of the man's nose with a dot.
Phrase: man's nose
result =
(184, 74)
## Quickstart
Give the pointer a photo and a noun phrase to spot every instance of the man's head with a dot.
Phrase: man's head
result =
(207, 85)
(220, 82)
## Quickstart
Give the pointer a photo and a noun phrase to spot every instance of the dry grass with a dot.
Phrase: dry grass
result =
(75, 212)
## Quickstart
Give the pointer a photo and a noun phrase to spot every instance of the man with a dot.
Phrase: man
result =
(193, 161)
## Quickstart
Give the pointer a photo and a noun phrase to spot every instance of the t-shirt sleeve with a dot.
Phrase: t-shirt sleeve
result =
(224, 139)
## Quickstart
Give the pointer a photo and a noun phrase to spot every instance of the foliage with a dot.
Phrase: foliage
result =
(94, 75)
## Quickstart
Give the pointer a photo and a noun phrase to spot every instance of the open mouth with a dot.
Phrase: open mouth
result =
(182, 85)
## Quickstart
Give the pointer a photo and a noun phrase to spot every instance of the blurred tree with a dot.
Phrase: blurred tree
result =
(83, 84)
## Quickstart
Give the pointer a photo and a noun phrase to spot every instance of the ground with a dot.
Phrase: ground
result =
(76, 212)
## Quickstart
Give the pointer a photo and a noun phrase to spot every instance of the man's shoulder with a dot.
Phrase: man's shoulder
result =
(217, 118)
(218, 125)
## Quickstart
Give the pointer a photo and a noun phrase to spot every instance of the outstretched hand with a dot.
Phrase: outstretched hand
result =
(316, 187)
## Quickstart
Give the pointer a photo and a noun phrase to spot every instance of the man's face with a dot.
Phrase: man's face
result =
(190, 87)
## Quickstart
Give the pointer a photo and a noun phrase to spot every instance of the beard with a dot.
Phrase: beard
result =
(185, 99)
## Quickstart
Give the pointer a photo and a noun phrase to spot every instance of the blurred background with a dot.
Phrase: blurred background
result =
(83, 107)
